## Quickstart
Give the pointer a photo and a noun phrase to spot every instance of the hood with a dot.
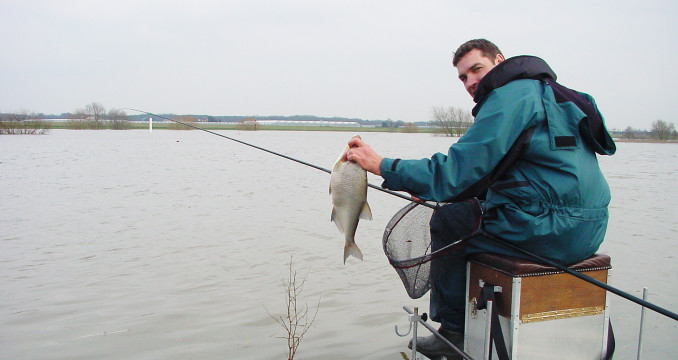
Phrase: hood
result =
(515, 68)
(591, 127)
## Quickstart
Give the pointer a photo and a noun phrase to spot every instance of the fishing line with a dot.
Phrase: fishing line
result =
(538, 258)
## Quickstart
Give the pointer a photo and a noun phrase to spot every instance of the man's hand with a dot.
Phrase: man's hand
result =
(362, 154)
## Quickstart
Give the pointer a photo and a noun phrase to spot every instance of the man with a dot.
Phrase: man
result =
(526, 171)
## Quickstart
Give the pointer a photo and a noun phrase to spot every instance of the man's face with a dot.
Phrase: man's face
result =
(473, 66)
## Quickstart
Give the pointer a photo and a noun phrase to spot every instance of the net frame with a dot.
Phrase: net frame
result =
(407, 245)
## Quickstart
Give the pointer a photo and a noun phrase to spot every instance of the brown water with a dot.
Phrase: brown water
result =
(174, 244)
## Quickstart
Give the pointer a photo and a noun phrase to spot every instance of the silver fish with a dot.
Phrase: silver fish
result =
(348, 187)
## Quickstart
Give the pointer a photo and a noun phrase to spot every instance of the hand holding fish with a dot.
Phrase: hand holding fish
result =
(348, 187)
(362, 154)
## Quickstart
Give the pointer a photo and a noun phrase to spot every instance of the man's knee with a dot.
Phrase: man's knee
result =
(453, 221)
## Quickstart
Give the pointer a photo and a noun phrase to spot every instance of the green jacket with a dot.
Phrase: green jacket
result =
(531, 154)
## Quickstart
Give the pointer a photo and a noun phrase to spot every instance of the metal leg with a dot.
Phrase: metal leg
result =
(642, 325)
(488, 330)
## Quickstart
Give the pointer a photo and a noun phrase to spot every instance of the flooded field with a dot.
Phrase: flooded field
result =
(174, 245)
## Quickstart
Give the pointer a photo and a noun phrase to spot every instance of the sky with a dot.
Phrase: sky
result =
(373, 60)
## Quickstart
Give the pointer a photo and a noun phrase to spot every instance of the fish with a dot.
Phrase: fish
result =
(348, 188)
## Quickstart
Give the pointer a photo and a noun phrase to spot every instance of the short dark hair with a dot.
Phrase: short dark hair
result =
(488, 49)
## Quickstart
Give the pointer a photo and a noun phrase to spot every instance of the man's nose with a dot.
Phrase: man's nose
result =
(472, 81)
(471, 85)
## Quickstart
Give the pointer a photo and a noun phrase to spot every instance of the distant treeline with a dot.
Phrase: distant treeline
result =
(212, 118)
(95, 116)
(449, 121)
(238, 119)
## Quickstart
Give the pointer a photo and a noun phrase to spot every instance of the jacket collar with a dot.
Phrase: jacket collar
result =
(515, 68)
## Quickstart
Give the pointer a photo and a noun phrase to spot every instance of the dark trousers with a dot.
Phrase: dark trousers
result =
(449, 223)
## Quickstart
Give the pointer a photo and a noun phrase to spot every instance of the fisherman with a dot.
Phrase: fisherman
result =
(526, 171)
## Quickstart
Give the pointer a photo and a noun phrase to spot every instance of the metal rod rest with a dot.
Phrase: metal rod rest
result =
(437, 334)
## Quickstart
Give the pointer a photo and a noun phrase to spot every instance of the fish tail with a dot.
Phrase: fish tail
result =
(353, 250)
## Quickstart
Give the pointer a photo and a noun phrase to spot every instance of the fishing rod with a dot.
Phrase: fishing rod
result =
(376, 187)
(540, 259)
(586, 278)
(499, 240)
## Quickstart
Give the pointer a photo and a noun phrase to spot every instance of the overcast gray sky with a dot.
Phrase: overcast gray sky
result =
(363, 59)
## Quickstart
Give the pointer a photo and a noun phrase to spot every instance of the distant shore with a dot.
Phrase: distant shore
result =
(236, 126)
(355, 129)
(645, 141)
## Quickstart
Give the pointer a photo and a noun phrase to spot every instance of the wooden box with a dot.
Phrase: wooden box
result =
(544, 313)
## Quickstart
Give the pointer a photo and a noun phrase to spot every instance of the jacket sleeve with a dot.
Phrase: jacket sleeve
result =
(505, 114)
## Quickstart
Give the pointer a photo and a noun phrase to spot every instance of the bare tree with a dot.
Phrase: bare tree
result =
(662, 130)
(90, 117)
(118, 119)
(78, 120)
(297, 320)
(79, 114)
(452, 121)
(23, 123)
(96, 113)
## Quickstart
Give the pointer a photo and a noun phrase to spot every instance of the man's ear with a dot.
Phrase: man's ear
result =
(499, 58)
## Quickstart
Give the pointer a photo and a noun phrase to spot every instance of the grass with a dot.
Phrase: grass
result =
(24, 127)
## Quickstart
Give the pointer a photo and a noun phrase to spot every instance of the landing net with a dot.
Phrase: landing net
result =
(407, 244)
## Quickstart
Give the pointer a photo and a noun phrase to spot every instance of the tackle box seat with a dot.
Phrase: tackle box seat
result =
(520, 267)
(543, 310)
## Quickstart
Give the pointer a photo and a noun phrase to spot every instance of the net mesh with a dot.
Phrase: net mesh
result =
(407, 244)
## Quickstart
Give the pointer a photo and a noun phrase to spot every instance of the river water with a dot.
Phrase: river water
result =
(174, 245)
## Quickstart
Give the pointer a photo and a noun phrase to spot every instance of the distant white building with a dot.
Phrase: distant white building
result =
(309, 123)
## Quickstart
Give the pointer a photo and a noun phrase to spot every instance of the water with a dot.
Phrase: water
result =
(174, 245)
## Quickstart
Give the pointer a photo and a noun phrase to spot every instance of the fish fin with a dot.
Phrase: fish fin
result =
(340, 160)
(366, 212)
(336, 220)
(352, 250)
